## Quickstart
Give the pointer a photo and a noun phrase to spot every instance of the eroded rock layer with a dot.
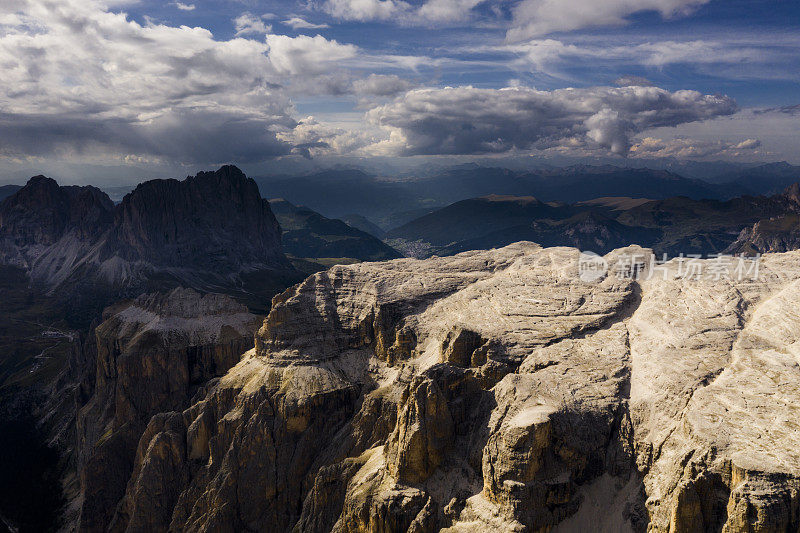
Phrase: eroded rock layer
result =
(494, 391)
(154, 354)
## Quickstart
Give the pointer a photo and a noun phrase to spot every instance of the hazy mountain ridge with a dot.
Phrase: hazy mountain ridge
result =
(309, 235)
(337, 193)
(469, 218)
(673, 225)
(341, 192)
(586, 230)
(8, 190)
(767, 179)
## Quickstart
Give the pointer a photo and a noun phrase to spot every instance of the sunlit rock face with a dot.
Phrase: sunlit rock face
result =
(774, 234)
(154, 354)
(494, 391)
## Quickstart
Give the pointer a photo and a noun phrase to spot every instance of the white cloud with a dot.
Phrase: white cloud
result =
(80, 81)
(536, 18)
(542, 52)
(447, 10)
(429, 12)
(381, 85)
(185, 7)
(778, 131)
(684, 148)
(736, 58)
(249, 24)
(467, 120)
(748, 144)
(304, 55)
(698, 51)
(298, 23)
(364, 10)
(312, 139)
(530, 18)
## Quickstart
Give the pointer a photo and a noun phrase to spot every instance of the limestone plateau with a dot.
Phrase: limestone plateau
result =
(487, 391)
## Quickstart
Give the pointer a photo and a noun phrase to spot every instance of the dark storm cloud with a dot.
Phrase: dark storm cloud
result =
(468, 120)
(190, 136)
(81, 79)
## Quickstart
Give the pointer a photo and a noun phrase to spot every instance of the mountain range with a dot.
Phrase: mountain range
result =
(670, 226)
(8, 190)
(198, 358)
(209, 231)
(310, 236)
(390, 202)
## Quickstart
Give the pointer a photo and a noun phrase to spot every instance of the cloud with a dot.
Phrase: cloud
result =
(537, 18)
(429, 12)
(311, 139)
(185, 135)
(468, 120)
(683, 148)
(548, 55)
(185, 7)
(298, 23)
(84, 80)
(697, 51)
(786, 110)
(365, 10)
(81, 80)
(304, 55)
(447, 10)
(249, 24)
(633, 81)
(381, 85)
(748, 144)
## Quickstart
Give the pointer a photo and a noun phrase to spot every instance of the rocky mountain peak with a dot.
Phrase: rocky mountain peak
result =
(41, 182)
(792, 192)
(42, 211)
(229, 173)
(207, 231)
(774, 234)
(153, 353)
(191, 222)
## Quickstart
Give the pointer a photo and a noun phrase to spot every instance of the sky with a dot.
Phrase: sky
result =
(142, 84)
